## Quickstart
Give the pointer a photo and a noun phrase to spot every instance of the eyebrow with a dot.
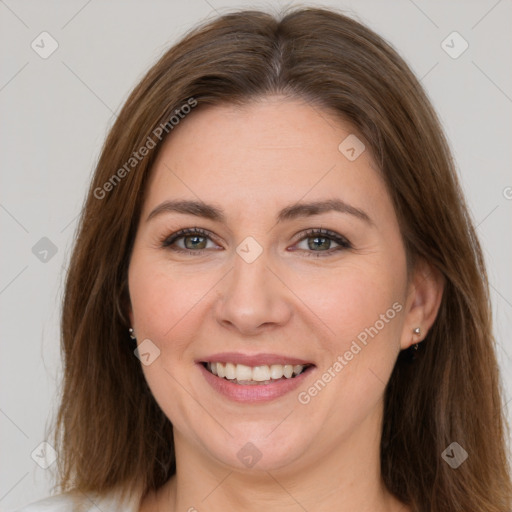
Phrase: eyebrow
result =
(294, 211)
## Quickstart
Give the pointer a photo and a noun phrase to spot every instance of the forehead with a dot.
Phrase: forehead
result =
(266, 151)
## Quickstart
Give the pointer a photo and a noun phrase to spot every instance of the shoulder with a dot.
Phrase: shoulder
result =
(57, 503)
(75, 502)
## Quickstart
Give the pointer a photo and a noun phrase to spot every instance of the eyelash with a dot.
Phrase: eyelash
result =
(342, 242)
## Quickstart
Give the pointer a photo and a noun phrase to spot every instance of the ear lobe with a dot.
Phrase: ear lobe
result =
(425, 293)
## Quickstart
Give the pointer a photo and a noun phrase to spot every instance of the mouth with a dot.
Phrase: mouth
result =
(244, 375)
(256, 378)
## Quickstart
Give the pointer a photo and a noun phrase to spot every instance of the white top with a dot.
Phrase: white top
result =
(73, 502)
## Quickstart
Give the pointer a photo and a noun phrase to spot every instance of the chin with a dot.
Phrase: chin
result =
(257, 448)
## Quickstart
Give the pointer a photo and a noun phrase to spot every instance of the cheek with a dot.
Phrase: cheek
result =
(170, 306)
(163, 303)
(362, 308)
(162, 298)
(354, 300)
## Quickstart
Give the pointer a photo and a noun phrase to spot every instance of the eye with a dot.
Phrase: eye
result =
(322, 239)
(195, 241)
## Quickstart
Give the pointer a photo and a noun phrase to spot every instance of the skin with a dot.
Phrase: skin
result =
(323, 455)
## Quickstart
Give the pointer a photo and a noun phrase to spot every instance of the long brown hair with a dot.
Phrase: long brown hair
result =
(110, 432)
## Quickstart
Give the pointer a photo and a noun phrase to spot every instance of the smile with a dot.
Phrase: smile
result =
(254, 379)
(252, 375)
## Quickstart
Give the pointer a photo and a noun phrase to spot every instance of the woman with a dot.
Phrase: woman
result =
(213, 361)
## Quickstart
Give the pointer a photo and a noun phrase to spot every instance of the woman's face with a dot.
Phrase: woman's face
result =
(260, 292)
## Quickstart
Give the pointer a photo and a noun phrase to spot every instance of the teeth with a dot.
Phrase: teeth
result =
(261, 373)
(297, 369)
(241, 372)
(276, 371)
(230, 371)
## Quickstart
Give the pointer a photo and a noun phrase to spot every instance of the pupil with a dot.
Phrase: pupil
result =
(194, 239)
(316, 245)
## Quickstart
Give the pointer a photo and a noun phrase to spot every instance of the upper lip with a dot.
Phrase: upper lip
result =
(254, 359)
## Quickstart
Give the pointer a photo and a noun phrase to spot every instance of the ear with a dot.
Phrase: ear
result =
(128, 307)
(424, 294)
(124, 305)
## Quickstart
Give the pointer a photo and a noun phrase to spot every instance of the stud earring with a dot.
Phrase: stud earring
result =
(130, 330)
(416, 331)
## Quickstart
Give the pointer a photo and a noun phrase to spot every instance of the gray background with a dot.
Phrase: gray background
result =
(55, 113)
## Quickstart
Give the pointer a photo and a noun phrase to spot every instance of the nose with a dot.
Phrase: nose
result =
(252, 298)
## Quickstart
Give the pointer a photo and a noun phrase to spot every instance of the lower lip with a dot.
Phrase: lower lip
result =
(253, 392)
